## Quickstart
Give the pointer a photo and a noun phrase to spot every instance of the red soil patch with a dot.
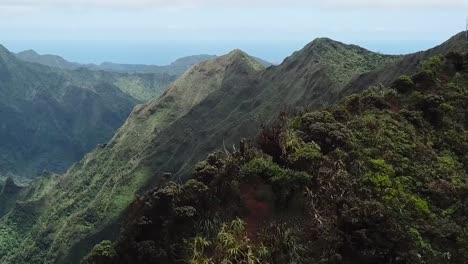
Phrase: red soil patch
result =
(257, 210)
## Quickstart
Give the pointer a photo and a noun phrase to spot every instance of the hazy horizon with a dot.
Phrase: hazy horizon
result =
(163, 53)
(160, 31)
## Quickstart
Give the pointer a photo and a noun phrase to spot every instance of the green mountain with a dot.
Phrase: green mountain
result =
(176, 68)
(381, 177)
(109, 188)
(408, 64)
(51, 117)
(212, 106)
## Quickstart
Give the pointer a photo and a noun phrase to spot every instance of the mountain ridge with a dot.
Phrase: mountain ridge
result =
(176, 68)
(405, 65)
(51, 117)
(380, 177)
(158, 142)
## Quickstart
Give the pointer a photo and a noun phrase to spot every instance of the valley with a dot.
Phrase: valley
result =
(331, 129)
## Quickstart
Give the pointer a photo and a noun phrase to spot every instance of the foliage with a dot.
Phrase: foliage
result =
(382, 185)
(433, 63)
(84, 205)
(103, 253)
(230, 245)
(52, 117)
(404, 84)
(327, 212)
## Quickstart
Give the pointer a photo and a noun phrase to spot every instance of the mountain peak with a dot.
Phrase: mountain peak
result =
(218, 68)
(237, 52)
(4, 53)
(29, 52)
(324, 40)
(459, 36)
(240, 56)
(235, 55)
(2, 48)
(458, 43)
(324, 45)
(192, 60)
(341, 61)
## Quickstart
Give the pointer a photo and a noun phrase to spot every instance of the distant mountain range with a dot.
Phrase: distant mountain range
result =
(176, 68)
(211, 107)
(51, 117)
(47, 59)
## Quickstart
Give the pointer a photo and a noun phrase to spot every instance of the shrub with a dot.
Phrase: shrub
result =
(263, 167)
(204, 172)
(457, 59)
(102, 253)
(430, 106)
(285, 182)
(323, 129)
(432, 64)
(404, 84)
(423, 79)
(300, 154)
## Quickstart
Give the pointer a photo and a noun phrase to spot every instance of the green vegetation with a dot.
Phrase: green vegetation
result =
(404, 84)
(383, 179)
(95, 191)
(104, 252)
(309, 155)
(52, 117)
(344, 61)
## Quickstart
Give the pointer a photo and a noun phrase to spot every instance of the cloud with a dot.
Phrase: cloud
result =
(137, 4)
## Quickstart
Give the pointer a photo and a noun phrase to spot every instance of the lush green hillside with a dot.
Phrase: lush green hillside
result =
(140, 86)
(100, 187)
(243, 103)
(135, 80)
(408, 64)
(223, 99)
(382, 177)
(210, 107)
(51, 117)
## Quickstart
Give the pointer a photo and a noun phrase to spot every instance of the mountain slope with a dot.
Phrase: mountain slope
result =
(381, 177)
(141, 86)
(139, 81)
(216, 101)
(50, 117)
(408, 65)
(301, 80)
(210, 106)
(113, 173)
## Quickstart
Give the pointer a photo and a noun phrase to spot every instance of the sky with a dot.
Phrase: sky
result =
(160, 31)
